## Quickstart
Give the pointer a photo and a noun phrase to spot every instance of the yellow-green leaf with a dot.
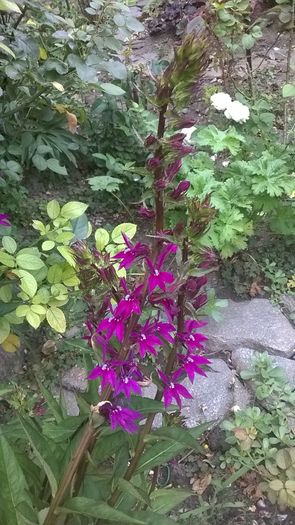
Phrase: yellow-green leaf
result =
(54, 274)
(48, 245)
(56, 319)
(28, 261)
(102, 238)
(9, 244)
(38, 309)
(4, 329)
(11, 343)
(74, 209)
(128, 228)
(53, 209)
(67, 254)
(6, 259)
(22, 310)
(42, 53)
(7, 5)
(33, 319)
(28, 282)
(38, 225)
(6, 293)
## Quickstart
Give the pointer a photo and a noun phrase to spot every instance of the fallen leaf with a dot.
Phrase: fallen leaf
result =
(49, 347)
(201, 484)
(72, 122)
(255, 289)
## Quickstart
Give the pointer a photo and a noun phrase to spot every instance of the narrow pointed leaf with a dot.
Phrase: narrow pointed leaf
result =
(92, 509)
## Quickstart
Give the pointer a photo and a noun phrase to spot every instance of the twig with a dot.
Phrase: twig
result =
(21, 16)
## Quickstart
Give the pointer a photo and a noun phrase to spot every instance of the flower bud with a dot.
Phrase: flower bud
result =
(180, 190)
(146, 213)
(150, 141)
(200, 301)
(172, 170)
(153, 163)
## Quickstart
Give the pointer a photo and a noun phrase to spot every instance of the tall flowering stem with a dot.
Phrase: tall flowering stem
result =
(141, 331)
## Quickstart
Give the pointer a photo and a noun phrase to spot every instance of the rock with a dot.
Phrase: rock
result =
(214, 396)
(242, 359)
(11, 364)
(72, 332)
(256, 324)
(287, 302)
(75, 379)
(70, 402)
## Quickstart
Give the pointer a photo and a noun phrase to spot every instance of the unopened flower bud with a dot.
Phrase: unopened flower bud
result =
(146, 213)
(153, 163)
(180, 190)
(150, 141)
(200, 301)
(172, 170)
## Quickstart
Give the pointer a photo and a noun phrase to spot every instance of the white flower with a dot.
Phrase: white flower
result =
(213, 157)
(220, 101)
(225, 163)
(188, 132)
(237, 111)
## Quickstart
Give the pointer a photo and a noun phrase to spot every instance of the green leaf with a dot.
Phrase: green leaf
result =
(145, 405)
(33, 319)
(53, 209)
(27, 261)
(51, 402)
(178, 435)
(54, 274)
(6, 259)
(112, 89)
(56, 319)
(288, 90)
(152, 518)
(15, 502)
(6, 293)
(133, 24)
(7, 49)
(102, 511)
(74, 209)
(164, 500)
(39, 162)
(4, 329)
(67, 254)
(158, 454)
(80, 227)
(43, 452)
(9, 244)
(131, 489)
(105, 183)
(109, 444)
(102, 238)
(48, 245)
(65, 429)
(128, 228)
(7, 5)
(55, 166)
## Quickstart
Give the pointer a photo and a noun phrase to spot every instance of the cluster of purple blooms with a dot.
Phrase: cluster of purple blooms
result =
(127, 342)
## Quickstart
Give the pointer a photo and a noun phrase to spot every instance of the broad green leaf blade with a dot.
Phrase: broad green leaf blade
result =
(43, 452)
(56, 319)
(15, 504)
(65, 429)
(127, 228)
(7, 5)
(74, 209)
(145, 405)
(158, 454)
(53, 209)
(112, 89)
(152, 518)
(130, 488)
(164, 500)
(92, 509)
(109, 443)
(177, 435)
(288, 90)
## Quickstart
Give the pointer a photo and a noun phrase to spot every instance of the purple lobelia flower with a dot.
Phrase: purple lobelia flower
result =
(166, 303)
(126, 385)
(119, 416)
(130, 303)
(4, 220)
(112, 325)
(190, 338)
(157, 276)
(131, 253)
(107, 373)
(173, 390)
(192, 364)
(151, 335)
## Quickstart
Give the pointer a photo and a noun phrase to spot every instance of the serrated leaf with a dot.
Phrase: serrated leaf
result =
(102, 238)
(9, 244)
(53, 209)
(56, 319)
(105, 183)
(128, 228)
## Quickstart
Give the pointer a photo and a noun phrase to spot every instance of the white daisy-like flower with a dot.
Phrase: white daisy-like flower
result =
(188, 132)
(220, 101)
(237, 111)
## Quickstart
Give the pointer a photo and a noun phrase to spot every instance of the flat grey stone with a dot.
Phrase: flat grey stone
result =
(287, 302)
(213, 396)
(75, 379)
(72, 332)
(70, 402)
(11, 364)
(256, 324)
(242, 359)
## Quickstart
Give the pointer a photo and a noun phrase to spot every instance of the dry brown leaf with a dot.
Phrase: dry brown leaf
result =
(49, 347)
(72, 122)
(255, 289)
(201, 484)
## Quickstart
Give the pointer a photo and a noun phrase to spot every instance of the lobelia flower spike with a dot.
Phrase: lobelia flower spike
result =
(131, 254)
(157, 276)
(120, 416)
(173, 390)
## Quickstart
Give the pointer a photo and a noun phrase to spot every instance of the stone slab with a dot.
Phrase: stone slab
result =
(75, 379)
(242, 359)
(11, 364)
